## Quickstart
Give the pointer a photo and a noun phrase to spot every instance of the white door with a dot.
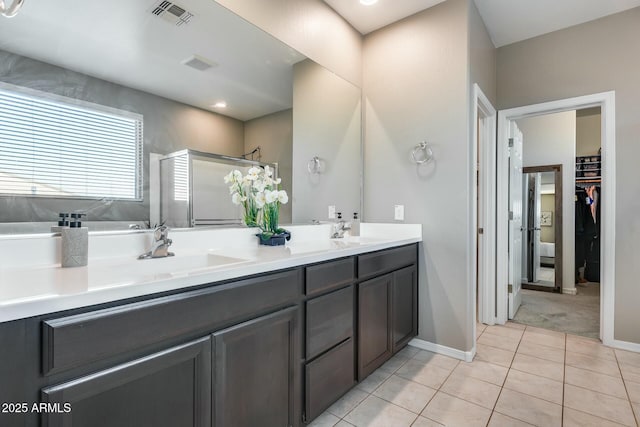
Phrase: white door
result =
(515, 219)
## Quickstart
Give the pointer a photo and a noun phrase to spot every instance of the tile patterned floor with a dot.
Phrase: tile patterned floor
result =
(521, 376)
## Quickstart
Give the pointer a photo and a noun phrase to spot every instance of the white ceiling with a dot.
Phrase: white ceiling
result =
(370, 18)
(126, 44)
(508, 21)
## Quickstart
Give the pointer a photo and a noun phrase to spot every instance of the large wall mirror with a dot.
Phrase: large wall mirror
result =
(92, 98)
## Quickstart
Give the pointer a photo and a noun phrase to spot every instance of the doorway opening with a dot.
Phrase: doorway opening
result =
(508, 286)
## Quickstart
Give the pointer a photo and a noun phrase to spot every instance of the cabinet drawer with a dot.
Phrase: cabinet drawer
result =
(329, 275)
(377, 263)
(328, 378)
(79, 339)
(329, 320)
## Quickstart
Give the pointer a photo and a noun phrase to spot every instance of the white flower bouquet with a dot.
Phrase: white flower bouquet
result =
(260, 197)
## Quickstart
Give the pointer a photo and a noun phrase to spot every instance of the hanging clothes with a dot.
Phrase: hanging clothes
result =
(585, 229)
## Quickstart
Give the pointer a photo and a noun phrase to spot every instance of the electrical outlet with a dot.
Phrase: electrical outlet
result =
(398, 212)
(332, 212)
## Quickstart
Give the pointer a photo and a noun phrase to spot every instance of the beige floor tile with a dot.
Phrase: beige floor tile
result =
(515, 325)
(404, 393)
(595, 364)
(433, 359)
(485, 371)
(533, 385)
(529, 409)
(471, 389)
(408, 351)
(543, 331)
(480, 328)
(347, 402)
(541, 351)
(573, 418)
(374, 380)
(431, 376)
(636, 409)
(630, 372)
(598, 404)
(634, 391)
(494, 355)
(589, 347)
(497, 341)
(555, 341)
(504, 331)
(451, 411)
(628, 357)
(425, 422)
(394, 363)
(499, 420)
(325, 420)
(375, 412)
(595, 381)
(343, 423)
(537, 366)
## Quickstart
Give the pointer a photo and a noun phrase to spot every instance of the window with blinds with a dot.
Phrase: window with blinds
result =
(52, 146)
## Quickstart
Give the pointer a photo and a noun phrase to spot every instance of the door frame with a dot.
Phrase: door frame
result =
(606, 101)
(485, 160)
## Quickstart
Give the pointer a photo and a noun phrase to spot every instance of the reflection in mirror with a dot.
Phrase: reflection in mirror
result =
(193, 191)
(174, 72)
(542, 228)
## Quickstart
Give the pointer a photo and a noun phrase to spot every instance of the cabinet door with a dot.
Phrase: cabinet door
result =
(404, 297)
(374, 316)
(170, 388)
(255, 369)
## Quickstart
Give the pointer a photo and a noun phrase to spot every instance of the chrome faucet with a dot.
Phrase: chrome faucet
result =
(339, 229)
(160, 245)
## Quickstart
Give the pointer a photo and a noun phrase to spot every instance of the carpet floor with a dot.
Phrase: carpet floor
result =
(573, 314)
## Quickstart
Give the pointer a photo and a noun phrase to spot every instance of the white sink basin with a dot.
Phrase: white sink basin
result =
(183, 263)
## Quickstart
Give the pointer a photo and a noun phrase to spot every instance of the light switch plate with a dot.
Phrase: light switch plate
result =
(398, 212)
(332, 212)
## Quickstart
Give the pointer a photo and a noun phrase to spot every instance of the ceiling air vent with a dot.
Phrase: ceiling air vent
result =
(171, 13)
(199, 63)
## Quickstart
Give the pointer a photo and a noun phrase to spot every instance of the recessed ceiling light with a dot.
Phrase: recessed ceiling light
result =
(220, 104)
(368, 2)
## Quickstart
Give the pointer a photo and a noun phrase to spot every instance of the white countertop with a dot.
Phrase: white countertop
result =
(201, 257)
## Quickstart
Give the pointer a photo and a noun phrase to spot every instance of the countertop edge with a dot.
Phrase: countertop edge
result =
(48, 304)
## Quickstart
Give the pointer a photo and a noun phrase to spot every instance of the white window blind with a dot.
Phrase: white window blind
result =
(54, 146)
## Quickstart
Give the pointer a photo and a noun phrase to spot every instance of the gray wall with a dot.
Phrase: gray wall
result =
(416, 87)
(311, 27)
(551, 140)
(482, 55)
(168, 126)
(273, 133)
(597, 56)
(588, 131)
(327, 119)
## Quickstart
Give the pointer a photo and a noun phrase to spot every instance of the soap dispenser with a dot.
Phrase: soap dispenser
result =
(355, 225)
(75, 243)
(62, 223)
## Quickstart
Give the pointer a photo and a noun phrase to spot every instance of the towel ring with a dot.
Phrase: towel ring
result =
(9, 11)
(422, 153)
(313, 166)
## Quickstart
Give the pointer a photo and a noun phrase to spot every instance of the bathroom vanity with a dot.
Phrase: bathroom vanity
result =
(272, 341)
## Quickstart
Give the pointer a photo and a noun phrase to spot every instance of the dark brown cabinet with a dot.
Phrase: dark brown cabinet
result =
(169, 388)
(255, 371)
(387, 306)
(374, 319)
(404, 300)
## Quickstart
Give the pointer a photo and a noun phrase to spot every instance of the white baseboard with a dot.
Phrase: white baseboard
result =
(466, 356)
(624, 345)
(569, 291)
